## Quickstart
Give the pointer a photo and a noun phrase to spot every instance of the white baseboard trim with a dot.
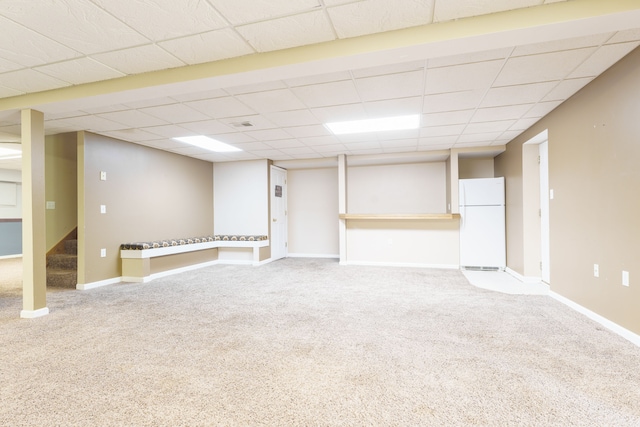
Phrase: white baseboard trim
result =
(98, 284)
(613, 327)
(11, 256)
(176, 271)
(402, 264)
(523, 279)
(298, 255)
(32, 314)
(235, 261)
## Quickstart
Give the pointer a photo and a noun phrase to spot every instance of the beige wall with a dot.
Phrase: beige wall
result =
(469, 168)
(397, 189)
(61, 186)
(149, 194)
(593, 170)
(313, 211)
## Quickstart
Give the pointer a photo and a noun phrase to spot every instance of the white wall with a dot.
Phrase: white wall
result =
(313, 212)
(241, 197)
(12, 178)
(397, 189)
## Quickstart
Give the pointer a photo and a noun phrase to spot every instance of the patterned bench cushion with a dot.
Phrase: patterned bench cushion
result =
(190, 240)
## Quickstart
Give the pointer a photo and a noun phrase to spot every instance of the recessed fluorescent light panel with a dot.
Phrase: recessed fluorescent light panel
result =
(375, 125)
(7, 153)
(207, 143)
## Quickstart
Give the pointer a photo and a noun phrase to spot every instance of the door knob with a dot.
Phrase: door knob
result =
(275, 219)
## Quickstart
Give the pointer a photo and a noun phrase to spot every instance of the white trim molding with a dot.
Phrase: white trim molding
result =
(98, 284)
(523, 279)
(297, 255)
(613, 327)
(32, 314)
(402, 264)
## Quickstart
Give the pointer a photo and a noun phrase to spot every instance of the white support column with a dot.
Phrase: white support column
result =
(34, 252)
(342, 206)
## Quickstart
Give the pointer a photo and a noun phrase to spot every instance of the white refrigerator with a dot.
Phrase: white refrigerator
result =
(482, 224)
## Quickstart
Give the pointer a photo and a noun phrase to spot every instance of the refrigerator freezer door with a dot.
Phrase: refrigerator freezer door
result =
(481, 192)
(482, 237)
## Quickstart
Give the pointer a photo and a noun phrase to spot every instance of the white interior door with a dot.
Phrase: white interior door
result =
(544, 212)
(278, 194)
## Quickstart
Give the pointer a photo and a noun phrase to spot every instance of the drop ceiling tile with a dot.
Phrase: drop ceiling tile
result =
(391, 143)
(479, 137)
(290, 31)
(394, 107)
(473, 144)
(541, 68)
(101, 109)
(602, 59)
(268, 134)
(190, 150)
(401, 67)
(242, 11)
(314, 141)
(520, 94)
(359, 146)
(234, 138)
(357, 137)
(271, 101)
(196, 49)
(153, 102)
(325, 94)
(252, 146)
(462, 77)
(272, 154)
(524, 124)
(625, 36)
(92, 123)
(340, 113)
(6, 65)
(560, 45)
(377, 16)
(169, 131)
(307, 131)
(333, 148)
(402, 149)
(214, 157)
(450, 10)
(437, 142)
(78, 24)
(175, 113)
(448, 118)
(566, 89)
(390, 86)
(542, 109)
(208, 127)
(258, 122)
(200, 95)
(6, 92)
(398, 134)
(453, 101)
(139, 59)
(441, 131)
(365, 152)
(318, 78)
(27, 48)
(510, 135)
(241, 155)
(296, 151)
(133, 118)
(29, 80)
(492, 114)
(221, 107)
(257, 87)
(293, 118)
(285, 143)
(469, 58)
(133, 135)
(165, 19)
(485, 127)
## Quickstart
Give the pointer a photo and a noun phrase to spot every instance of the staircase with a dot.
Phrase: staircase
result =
(62, 268)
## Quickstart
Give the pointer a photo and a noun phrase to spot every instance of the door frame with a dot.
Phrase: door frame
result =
(272, 204)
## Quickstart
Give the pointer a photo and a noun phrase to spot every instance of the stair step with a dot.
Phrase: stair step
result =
(62, 262)
(71, 247)
(62, 279)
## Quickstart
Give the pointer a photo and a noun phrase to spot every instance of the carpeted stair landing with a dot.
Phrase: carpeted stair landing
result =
(62, 269)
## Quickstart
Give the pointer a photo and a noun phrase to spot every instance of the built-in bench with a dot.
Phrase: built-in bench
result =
(136, 257)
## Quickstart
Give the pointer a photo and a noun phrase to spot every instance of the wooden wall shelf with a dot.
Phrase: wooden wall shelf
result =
(401, 217)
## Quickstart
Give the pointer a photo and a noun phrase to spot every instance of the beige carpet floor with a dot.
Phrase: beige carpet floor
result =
(302, 342)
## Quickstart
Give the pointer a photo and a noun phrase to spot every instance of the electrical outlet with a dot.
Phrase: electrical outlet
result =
(51, 205)
(596, 270)
(103, 176)
(625, 278)
(103, 209)
(103, 253)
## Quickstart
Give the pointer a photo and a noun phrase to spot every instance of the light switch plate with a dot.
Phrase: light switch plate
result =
(103, 176)
(625, 278)
(103, 253)
(103, 209)
(51, 205)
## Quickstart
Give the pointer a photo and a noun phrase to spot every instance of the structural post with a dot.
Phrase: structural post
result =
(342, 206)
(34, 262)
